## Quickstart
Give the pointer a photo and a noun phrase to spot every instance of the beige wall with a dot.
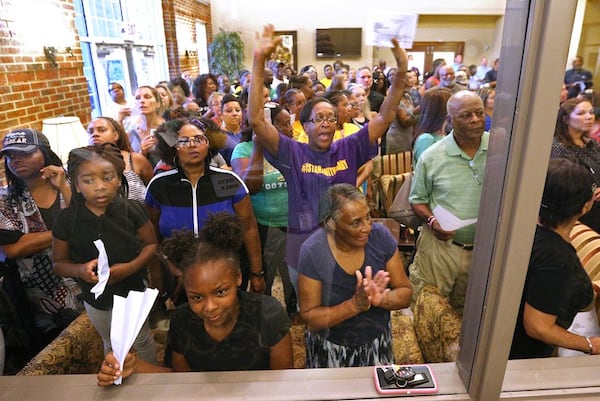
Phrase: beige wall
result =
(439, 20)
(589, 45)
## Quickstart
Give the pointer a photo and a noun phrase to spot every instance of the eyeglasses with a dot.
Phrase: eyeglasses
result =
(475, 172)
(319, 120)
(352, 105)
(195, 140)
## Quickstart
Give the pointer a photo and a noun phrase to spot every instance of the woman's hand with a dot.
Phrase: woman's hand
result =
(360, 299)
(265, 44)
(376, 287)
(110, 369)
(56, 176)
(257, 284)
(88, 271)
(124, 112)
(400, 55)
(147, 144)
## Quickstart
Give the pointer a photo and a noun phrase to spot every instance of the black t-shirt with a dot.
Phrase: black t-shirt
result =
(556, 284)
(261, 324)
(49, 214)
(117, 228)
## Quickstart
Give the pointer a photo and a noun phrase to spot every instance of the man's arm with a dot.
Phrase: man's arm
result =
(379, 125)
(265, 131)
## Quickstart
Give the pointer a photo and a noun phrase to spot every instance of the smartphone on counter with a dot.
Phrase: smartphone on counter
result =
(404, 379)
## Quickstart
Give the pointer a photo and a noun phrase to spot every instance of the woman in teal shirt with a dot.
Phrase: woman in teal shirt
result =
(432, 120)
(269, 196)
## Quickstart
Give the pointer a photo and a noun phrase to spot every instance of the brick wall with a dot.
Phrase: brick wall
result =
(180, 20)
(31, 90)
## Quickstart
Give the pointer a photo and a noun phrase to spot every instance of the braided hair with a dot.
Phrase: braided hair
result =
(106, 151)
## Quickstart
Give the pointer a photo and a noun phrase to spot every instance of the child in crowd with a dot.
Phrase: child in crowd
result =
(221, 327)
(100, 210)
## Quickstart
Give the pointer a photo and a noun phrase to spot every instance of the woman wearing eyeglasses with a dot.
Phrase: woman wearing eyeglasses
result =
(185, 196)
(556, 287)
(309, 169)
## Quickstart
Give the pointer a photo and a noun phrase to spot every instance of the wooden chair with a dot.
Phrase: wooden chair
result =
(386, 165)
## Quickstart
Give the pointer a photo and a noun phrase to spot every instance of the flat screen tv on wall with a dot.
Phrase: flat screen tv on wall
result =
(339, 42)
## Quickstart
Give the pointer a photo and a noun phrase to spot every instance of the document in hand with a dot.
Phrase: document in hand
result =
(128, 316)
(103, 269)
(450, 222)
(383, 25)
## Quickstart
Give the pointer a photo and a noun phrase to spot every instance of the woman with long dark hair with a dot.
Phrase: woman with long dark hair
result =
(572, 141)
(432, 121)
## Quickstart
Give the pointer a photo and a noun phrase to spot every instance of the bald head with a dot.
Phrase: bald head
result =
(467, 115)
(459, 99)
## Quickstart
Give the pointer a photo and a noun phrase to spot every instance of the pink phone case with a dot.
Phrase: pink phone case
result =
(385, 388)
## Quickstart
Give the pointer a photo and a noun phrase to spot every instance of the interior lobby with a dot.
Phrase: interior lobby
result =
(525, 34)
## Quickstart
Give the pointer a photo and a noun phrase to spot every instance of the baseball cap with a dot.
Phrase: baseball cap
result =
(24, 140)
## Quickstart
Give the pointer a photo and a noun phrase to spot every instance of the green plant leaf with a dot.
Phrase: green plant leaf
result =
(226, 53)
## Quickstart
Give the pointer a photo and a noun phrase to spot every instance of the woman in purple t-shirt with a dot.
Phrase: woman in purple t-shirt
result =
(309, 169)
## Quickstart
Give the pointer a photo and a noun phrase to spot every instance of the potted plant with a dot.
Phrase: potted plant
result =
(226, 53)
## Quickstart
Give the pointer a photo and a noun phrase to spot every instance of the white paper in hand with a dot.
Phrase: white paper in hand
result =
(128, 316)
(103, 269)
(383, 25)
(448, 221)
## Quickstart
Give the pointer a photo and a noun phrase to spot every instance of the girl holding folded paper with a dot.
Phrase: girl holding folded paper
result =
(222, 327)
(100, 210)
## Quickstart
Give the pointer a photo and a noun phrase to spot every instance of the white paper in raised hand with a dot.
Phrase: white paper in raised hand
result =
(383, 25)
(448, 221)
(103, 269)
(128, 316)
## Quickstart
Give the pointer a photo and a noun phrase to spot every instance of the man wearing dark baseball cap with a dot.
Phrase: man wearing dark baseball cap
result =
(24, 140)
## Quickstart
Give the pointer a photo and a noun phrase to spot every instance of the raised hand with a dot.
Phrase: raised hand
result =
(400, 56)
(265, 44)
(55, 174)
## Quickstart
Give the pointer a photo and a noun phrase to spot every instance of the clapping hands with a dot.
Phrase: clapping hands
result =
(370, 290)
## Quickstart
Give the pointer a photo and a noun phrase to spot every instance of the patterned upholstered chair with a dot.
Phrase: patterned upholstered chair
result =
(77, 349)
(437, 326)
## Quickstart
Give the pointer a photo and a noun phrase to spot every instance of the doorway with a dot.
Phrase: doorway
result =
(423, 54)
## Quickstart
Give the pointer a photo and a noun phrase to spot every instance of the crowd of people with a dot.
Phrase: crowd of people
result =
(208, 188)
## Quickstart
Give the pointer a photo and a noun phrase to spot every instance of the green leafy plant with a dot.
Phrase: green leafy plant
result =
(226, 53)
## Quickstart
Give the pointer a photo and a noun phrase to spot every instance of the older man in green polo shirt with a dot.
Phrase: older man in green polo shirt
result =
(450, 174)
